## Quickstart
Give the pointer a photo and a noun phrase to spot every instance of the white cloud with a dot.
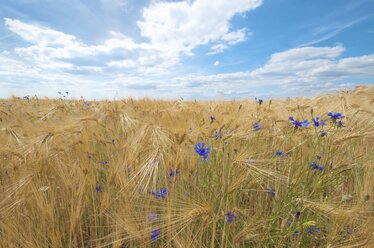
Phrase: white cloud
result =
(39, 35)
(182, 26)
(219, 48)
(216, 63)
(51, 48)
(295, 70)
(235, 37)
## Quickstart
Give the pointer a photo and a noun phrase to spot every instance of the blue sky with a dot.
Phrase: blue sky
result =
(194, 49)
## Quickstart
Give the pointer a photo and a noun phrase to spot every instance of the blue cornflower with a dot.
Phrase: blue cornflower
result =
(335, 116)
(256, 126)
(26, 97)
(280, 154)
(162, 193)
(318, 123)
(316, 166)
(212, 119)
(296, 233)
(155, 235)
(297, 215)
(202, 151)
(260, 101)
(340, 124)
(230, 217)
(297, 123)
(313, 229)
(173, 172)
(98, 188)
(152, 217)
(104, 162)
(217, 136)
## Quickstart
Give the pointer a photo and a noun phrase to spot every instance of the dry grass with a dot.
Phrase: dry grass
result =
(51, 153)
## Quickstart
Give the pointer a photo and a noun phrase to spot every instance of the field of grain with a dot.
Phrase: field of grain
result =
(127, 173)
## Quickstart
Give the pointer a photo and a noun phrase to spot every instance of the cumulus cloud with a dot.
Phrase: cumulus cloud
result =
(297, 69)
(216, 63)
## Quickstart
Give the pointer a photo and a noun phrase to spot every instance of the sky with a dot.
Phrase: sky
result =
(192, 49)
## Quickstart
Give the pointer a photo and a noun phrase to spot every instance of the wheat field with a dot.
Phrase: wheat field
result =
(129, 173)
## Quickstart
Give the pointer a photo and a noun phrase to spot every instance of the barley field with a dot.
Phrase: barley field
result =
(152, 173)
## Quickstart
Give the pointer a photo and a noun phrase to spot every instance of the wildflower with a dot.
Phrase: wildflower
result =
(230, 217)
(280, 154)
(113, 141)
(335, 116)
(104, 162)
(152, 217)
(173, 172)
(316, 166)
(318, 123)
(98, 188)
(297, 123)
(271, 192)
(289, 223)
(202, 151)
(212, 119)
(296, 234)
(26, 97)
(217, 136)
(259, 101)
(256, 126)
(155, 235)
(297, 215)
(162, 193)
(340, 124)
(313, 229)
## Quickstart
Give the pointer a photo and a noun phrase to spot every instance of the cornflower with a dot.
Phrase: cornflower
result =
(313, 229)
(256, 126)
(297, 123)
(318, 123)
(98, 188)
(212, 119)
(152, 217)
(340, 124)
(280, 154)
(313, 165)
(155, 235)
(162, 193)
(230, 217)
(217, 136)
(335, 116)
(173, 172)
(202, 151)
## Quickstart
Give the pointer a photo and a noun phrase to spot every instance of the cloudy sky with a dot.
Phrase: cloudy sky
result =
(194, 49)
